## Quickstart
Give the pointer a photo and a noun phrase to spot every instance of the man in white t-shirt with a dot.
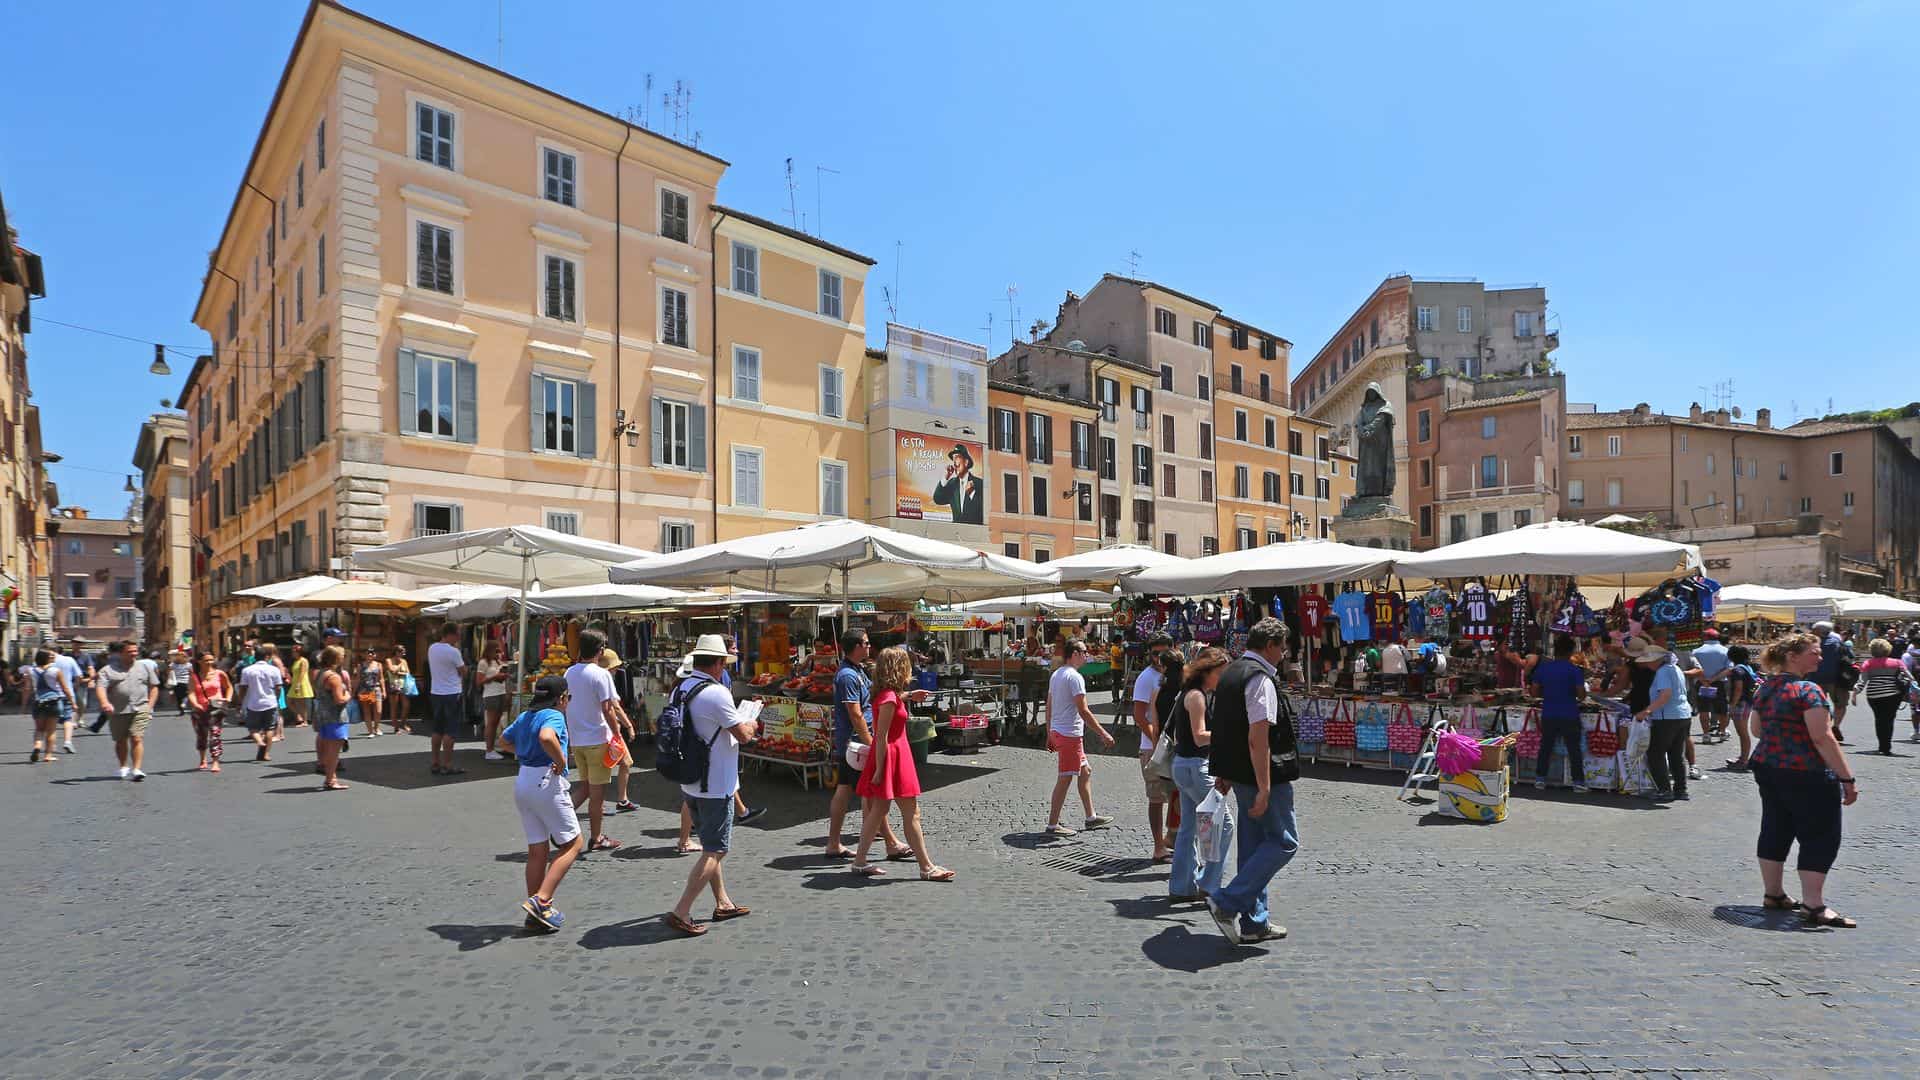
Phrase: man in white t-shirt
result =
(722, 727)
(1067, 720)
(446, 677)
(1146, 691)
(260, 684)
(593, 716)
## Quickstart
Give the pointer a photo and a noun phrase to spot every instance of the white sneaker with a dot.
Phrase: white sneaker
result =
(1539, 785)
(493, 755)
(138, 776)
(1581, 789)
(1693, 772)
(125, 772)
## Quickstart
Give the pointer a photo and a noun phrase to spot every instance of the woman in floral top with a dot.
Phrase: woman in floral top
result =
(1803, 776)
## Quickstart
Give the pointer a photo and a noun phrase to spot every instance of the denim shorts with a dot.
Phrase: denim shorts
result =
(259, 720)
(712, 822)
(443, 714)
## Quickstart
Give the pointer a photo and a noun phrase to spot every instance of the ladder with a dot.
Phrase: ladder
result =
(1426, 769)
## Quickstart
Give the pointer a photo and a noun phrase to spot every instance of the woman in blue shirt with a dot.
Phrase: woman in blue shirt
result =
(1671, 719)
(539, 738)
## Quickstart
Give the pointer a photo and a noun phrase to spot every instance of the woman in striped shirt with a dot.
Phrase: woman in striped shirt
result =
(1884, 680)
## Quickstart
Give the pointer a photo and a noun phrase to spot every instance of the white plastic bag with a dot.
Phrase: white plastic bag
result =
(1210, 836)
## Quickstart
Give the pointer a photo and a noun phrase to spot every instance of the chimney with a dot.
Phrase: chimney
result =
(1641, 410)
(1693, 412)
(1763, 419)
(1722, 418)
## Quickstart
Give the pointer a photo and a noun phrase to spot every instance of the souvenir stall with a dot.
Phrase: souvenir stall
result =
(1017, 678)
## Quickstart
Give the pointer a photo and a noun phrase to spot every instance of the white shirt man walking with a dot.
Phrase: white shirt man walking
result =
(593, 715)
(1067, 718)
(446, 675)
(260, 684)
(1248, 729)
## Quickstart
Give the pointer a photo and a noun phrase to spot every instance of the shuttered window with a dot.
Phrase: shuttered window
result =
(437, 396)
(433, 135)
(557, 173)
(436, 519)
(679, 435)
(1039, 437)
(833, 488)
(746, 373)
(433, 257)
(746, 478)
(832, 393)
(673, 317)
(673, 215)
(746, 268)
(1082, 445)
(319, 265)
(1039, 496)
(830, 294)
(561, 289)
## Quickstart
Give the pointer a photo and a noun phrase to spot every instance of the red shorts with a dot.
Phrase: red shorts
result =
(1071, 750)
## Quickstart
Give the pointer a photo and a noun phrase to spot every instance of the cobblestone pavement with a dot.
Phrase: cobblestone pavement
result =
(247, 925)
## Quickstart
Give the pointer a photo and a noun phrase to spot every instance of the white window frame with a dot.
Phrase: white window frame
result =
(828, 465)
(688, 327)
(542, 148)
(685, 420)
(1463, 319)
(1423, 317)
(743, 268)
(1613, 446)
(839, 378)
(660, 191)
(452, 368)
(742, 391)
(1616, 491)
(542, 254)
(676, 524)
(455, 151)
(1836, 463)
(1710, 464)
(1576, 491)
(837, 294)
(559, 434)
(1172, 321)
(1575, 445)
(1523, 324)
(453, 513)
(554, 519)
(737, 453)
(415, 219)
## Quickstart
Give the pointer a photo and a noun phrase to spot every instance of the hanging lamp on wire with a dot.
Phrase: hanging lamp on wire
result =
(159, 365)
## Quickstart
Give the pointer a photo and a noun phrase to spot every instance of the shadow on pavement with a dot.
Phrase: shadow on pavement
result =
(649, 851)
(1751, 917)
(86, 779)
(400, 772)
(470, 938)
(818, 860)
(831, 880)
(647, 930)
(1178, 948)
(1435, 817)
(1036, 841)
(1156, 908)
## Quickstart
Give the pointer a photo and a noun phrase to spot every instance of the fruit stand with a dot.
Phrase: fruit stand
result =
(796, 720)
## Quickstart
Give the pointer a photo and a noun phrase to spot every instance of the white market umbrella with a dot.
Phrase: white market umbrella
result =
(359, 596)
(568, 601)
(525, 556)
(838, 560)
(297, 589)
(1104, 567)
(1619, 519)
(1876, 606)
(1565, 548)
(1300, 562)
(1775, 604)
(1044, 606)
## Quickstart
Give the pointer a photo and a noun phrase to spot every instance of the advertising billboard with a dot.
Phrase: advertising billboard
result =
(939, 479)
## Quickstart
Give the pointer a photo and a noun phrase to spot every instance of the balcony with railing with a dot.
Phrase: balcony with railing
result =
(1482, 485)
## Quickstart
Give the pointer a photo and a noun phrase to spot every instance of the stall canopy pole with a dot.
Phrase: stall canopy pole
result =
(520, 645)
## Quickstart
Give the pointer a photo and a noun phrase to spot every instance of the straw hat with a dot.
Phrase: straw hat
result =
(1641, 651)
(711, 645)
(609, 659)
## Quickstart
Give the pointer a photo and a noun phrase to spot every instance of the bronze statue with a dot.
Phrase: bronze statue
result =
(1373, 445)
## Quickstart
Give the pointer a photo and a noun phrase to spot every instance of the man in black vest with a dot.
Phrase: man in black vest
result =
(1248, 729)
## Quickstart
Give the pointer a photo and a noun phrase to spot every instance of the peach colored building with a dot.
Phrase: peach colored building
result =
(790, 416)
(446, 298)
(24, 560)
(1249, 434)
(1040, 463)
(1485, 455)
(164, 458)
(1704, 470)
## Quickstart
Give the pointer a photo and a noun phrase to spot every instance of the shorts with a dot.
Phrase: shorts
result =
(128, 725)
(712, 822)
(258, 720)
(337, 732)
(591, 763)
(61, 710)
(443, 714)
(1070, 749)
(1159, 788)
(1717, 704)
(545, 805)
(844, 775)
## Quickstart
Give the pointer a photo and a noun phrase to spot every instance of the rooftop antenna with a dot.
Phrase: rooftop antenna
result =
(1013, 316)
(500, 35)
(1133, 264)
(819, 213)
(793, 215)
(899, 256)
(989, 328)
(893, 313)
(646, 101)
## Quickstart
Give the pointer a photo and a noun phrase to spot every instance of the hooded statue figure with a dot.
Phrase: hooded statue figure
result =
(1373, 439)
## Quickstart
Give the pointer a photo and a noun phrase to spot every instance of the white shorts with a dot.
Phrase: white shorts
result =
(546, 808)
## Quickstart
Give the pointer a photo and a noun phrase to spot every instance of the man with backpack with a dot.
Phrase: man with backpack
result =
(1836, 673)
(700, 734)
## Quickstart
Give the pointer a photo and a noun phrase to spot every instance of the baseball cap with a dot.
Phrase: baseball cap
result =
(547, 690)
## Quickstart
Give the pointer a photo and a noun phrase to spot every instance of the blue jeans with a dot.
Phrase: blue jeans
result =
(1189, 877)
(1267, 843)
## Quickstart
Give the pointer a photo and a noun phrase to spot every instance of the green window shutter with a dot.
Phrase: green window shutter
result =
(466, 411)
(537, 409)
(587, 421)
(409, 398)
(697, 438)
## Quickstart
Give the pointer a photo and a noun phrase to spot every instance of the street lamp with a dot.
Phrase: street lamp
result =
(624, 426)
(159, 365)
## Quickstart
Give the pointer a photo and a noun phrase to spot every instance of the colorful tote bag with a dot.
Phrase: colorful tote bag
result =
(1310, 723)
(1370, 729)
(1340, 731)
(1603, 741)
(1404, 737)
(1528, 747)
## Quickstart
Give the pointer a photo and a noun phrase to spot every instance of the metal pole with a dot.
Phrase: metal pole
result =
(520, 645)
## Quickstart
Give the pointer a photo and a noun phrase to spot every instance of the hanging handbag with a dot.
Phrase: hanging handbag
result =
(1313, 723)
(1340, 729)
(1370, 730)
(1528, 746)
(1604, 740)
(1469, 722)
(1404, 737)
(1160, 762)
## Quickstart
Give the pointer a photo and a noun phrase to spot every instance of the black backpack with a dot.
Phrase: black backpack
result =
(680, 755)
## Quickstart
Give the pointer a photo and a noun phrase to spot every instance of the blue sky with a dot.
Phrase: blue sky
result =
(1708, 191)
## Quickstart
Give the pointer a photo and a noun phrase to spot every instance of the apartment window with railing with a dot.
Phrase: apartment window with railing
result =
(436, 518)
(674, 328)
(1109, 457)
(1082, 439)
(1234, 379)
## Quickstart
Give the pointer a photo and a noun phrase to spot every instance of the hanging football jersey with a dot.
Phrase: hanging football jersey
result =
(1313, 613)
(1417, 618)
(1709, 597)
(1476, 613)
(1351, 609)
(1439, 605)
(1522, 631)
(1380, 612)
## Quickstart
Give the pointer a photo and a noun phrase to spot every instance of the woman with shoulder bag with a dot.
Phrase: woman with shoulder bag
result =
(1190, 880)
(1804, 779)
(208, 692)
(370, 686)
(1884, 680)
(328, 712)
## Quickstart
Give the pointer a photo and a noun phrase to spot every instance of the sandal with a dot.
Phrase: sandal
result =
(605, 843)
(1826, 916)
(693, 849)
(905, 854)
(1736, 764)
(434, 769)
(734, 912)
(868, 870)
(938, 873)
(843, 853)
(684, 925)
(1781, 902)
(335, 786)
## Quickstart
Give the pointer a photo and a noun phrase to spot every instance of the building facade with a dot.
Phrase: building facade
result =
(1040, 464)
(1705, 470)
(446, 298)
(96, 578)
(790, 414)
(1414, 327)
(164, 457)
(25, 592)
(1484, 454)
(927, 437)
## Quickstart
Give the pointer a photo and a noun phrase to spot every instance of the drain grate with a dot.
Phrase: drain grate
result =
(1094, 863)
(1660, 911)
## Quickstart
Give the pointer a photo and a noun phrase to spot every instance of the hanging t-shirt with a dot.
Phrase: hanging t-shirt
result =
(1439, 605)
(1351, 609)
(1476, 613)
(1417, 618)
(1380, 611)
(1313, 613)
(1708, 596)
(1521, 628)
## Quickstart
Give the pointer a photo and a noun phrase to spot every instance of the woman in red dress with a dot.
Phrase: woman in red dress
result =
(889, 775)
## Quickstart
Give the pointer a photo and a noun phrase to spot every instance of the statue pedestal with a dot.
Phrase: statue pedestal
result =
(1374, 523)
